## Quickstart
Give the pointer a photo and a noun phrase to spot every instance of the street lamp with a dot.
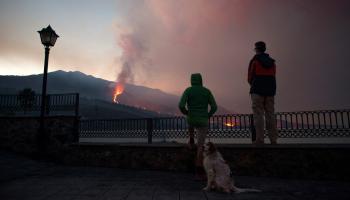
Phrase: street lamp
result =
(48, 38)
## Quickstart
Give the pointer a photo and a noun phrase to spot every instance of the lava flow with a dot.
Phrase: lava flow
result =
(119, 89)
(230, 124)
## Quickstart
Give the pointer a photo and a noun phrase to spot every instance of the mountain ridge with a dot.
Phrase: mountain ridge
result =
(91, 87)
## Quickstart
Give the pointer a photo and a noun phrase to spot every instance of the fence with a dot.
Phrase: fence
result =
(57, 104)
(308, 124)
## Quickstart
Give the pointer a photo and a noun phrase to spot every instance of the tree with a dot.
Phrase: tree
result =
(26, 98)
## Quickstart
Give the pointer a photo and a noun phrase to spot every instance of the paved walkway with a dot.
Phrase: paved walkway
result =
(22, 178)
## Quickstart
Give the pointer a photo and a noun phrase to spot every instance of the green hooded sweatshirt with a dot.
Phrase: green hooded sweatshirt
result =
(197, 99)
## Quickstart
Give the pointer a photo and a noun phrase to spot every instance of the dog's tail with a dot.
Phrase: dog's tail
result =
(240, 190)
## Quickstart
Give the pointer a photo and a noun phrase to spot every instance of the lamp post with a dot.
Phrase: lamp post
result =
(48, 38)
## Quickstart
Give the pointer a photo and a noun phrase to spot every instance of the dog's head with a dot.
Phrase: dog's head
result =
(209, 148)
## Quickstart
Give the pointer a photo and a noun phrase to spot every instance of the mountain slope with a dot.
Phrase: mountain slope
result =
(92, 88)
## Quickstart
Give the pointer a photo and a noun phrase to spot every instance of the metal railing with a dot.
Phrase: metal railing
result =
(17, 105)
(308, 124)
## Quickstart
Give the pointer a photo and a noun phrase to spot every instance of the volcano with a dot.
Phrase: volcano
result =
(90, 87)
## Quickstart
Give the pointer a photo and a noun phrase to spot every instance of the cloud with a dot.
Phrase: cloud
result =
(159, 43)
(215, 38)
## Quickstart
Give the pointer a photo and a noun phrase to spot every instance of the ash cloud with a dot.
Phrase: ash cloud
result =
(132, 57)
(170, 39)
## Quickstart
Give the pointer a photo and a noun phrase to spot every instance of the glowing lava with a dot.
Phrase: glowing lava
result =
(229, 124)
(119, 89)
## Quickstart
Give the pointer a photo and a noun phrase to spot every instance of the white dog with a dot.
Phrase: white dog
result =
(218, 172)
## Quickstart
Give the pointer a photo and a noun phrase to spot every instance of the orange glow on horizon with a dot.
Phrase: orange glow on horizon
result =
(230, 124)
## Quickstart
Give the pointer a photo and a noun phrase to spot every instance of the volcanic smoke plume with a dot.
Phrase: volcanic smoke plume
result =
(132, 56)
(216, 38)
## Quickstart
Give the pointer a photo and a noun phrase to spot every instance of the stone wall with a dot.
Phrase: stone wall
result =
(20, 134)
(329, 162)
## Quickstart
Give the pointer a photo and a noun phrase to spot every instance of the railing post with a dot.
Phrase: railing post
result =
(76, 129)
(77, 123)
(252, 128)
(77, 104)
(149, 130)
(48, 106)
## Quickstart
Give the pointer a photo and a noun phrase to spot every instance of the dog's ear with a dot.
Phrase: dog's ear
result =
(211, 148)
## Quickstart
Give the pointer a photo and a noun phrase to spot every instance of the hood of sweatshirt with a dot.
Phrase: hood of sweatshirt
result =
(265, 60)
(196, 79)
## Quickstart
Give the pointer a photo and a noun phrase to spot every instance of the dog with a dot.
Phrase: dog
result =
(218, 172)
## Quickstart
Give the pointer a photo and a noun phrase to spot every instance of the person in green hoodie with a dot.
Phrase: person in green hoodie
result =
(197, 98)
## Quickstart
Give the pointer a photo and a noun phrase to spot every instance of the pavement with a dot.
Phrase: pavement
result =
(23, 178)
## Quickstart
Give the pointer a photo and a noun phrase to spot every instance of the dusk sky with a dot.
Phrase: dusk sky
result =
(159, 43)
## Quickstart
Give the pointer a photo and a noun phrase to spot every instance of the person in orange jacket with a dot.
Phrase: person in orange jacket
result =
(262, 80)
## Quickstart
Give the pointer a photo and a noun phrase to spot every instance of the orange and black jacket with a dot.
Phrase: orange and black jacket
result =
(262, 75)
